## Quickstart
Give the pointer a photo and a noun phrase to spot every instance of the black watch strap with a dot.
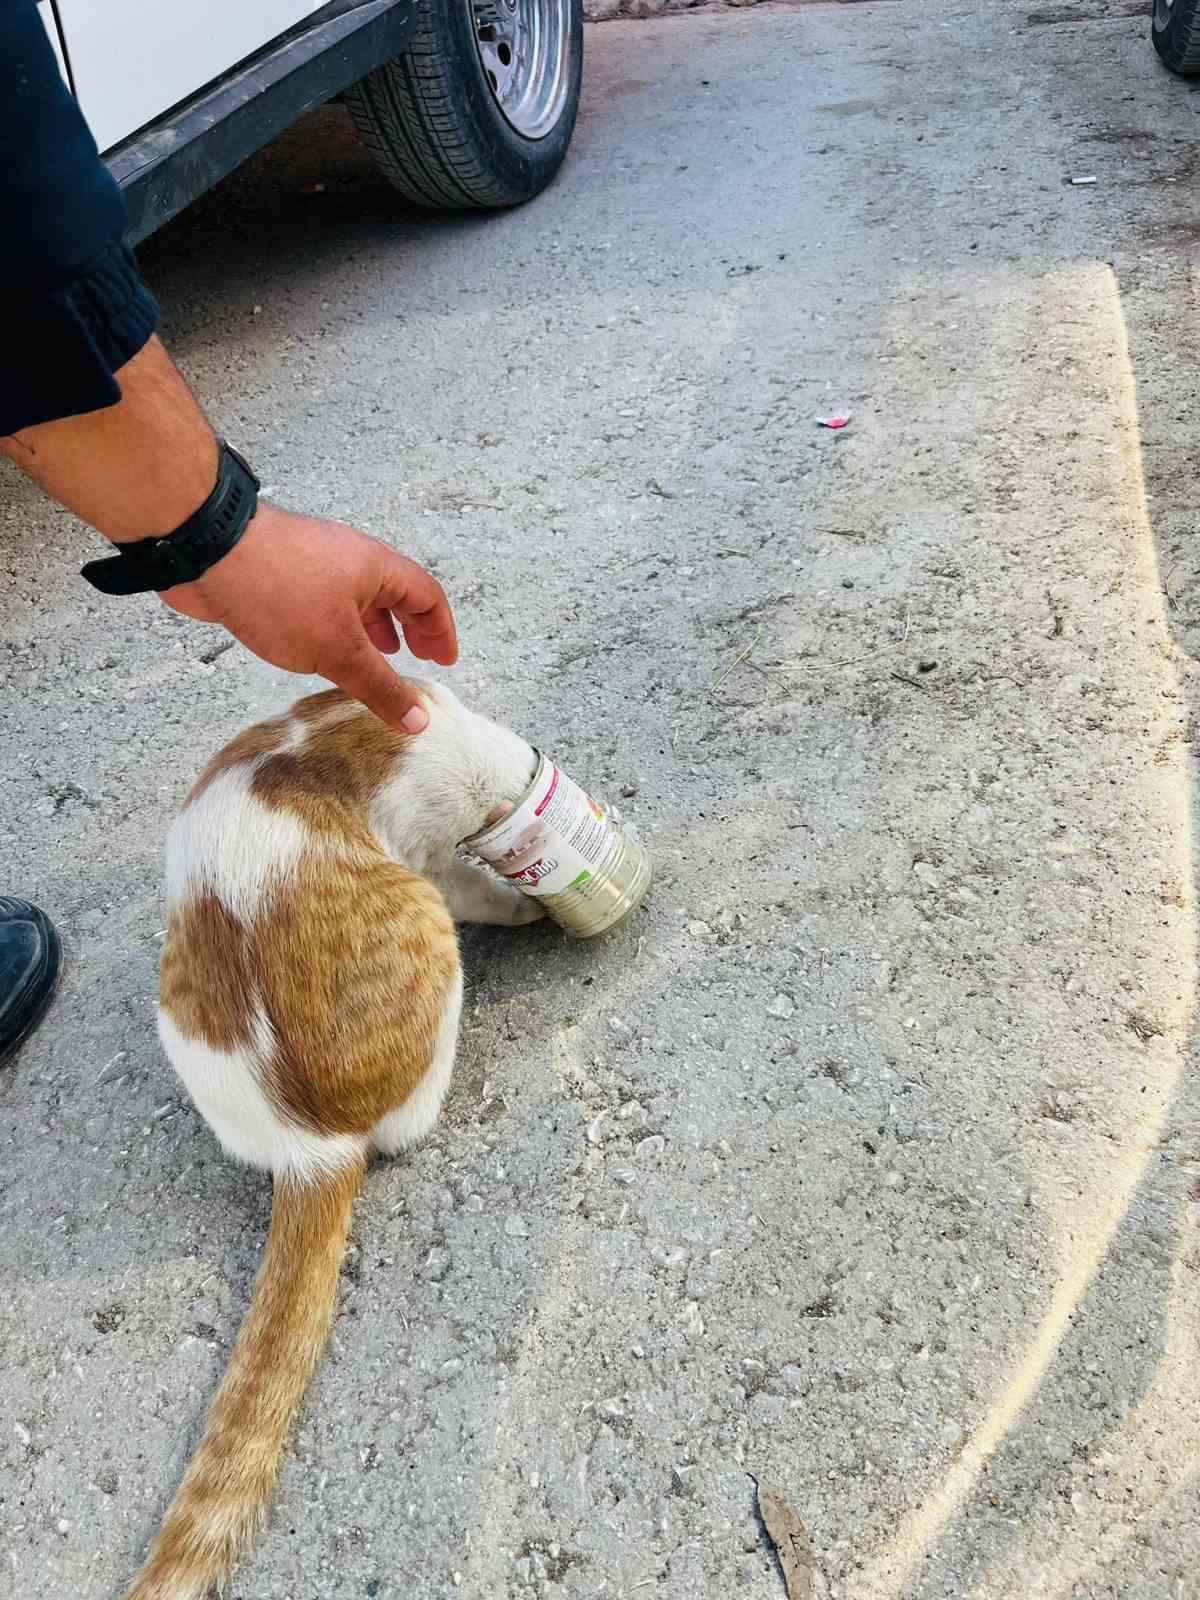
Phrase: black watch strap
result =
(199, 543)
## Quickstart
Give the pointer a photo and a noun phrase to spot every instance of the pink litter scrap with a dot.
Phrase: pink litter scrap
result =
(834, 422)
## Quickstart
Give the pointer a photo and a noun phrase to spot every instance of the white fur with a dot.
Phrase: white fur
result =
(451, 777)
(225, 1087)
(475, 895)
(230, 844)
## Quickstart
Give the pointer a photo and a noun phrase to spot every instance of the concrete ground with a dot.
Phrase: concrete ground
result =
(869, 1161)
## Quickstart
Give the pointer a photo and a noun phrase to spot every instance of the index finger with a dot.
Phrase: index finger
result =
(359, 669)
(417, 601)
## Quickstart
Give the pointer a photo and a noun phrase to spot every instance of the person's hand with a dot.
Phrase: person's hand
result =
(304, 594)
(315, 596)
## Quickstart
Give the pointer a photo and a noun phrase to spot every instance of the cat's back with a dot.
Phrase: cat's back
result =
(280, 791)
(278, 885)
(298, 955)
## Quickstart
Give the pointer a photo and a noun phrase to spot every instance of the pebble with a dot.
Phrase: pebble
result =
(794, 1378)
(698, 928)
(782, 1006)
(516, 1227)
(666, 1256)
(63, 1526)
(647, 1149)
(436, 1265)
(594, 1136)
(626, 1176)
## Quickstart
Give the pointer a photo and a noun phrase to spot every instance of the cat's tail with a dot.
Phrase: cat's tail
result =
(220, 1504)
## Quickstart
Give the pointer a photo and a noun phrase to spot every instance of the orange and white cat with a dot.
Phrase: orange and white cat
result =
(309, 999)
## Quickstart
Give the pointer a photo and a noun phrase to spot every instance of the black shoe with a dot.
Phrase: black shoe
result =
(30, 960)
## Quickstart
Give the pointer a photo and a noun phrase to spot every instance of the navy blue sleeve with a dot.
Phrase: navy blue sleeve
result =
(73, 307)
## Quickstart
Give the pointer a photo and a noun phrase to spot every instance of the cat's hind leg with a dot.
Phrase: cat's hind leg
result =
(475, 895)
(413, 1119)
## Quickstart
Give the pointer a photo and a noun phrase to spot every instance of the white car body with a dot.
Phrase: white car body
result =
(178, 93)
(131, 61)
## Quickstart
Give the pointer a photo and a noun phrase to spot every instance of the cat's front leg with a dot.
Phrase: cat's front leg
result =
(474, 895)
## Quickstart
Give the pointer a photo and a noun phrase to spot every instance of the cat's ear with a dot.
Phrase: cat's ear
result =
(497, 813)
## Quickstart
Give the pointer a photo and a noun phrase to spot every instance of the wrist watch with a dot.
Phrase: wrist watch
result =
(197, 544)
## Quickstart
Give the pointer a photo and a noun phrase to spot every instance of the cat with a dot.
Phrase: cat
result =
(309, 999)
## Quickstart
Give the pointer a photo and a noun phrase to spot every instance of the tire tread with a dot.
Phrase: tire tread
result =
(409, 115)
(1179, 42)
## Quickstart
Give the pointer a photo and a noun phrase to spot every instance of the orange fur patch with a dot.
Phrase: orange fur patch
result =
(205, 981)
(259, 740)
(346, 758)
(355, 962)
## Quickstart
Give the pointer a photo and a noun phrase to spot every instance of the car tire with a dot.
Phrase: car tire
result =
(477, 114)
(1175, 30)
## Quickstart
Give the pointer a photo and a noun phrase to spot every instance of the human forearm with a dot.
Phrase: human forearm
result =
(93, 409)
(302, 593)
(134, 470)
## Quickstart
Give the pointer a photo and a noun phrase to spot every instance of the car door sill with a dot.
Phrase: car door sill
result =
(164, 167)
